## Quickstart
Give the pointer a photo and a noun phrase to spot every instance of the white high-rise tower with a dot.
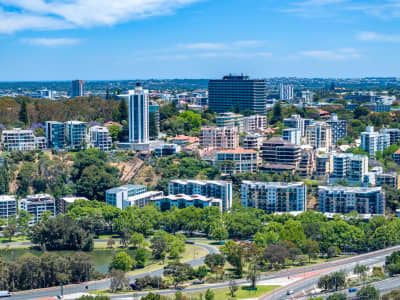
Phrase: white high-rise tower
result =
(138, 115)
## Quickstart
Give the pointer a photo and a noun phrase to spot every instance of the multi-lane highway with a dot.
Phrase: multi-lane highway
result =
(309, 275)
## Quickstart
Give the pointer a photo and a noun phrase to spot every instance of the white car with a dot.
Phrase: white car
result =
(290, 292)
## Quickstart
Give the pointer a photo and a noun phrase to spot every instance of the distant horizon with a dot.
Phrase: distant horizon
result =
(200, 78)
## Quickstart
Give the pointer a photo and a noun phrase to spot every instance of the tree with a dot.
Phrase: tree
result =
(140, 258)
(293, 253)
(276, 113)
(337, 279)
(219, 233)
(275, 254)
(311, 248)
(233, 288)
(94, 298)
(114, 131)
(337, 297)
(123, 110)
(12, 227)
(253, 273)
(121, 261)
(23, 113)
(324, 282)
(361, 111)
(368, 292)
(332, 251)
(201, 272)
(61, 233)
(209, 295)
(178, 271)
(360, 270)
(214, 260)
(110, 243)
(137, 240)
(118, 280)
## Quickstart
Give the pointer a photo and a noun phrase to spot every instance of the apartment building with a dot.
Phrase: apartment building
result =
(36, 205)
(372, 141)
(319, 135)
(8, 206)
(219, 137)
(394, 134)
(62, 203)
(100, 138)
(389, 179)
(210, 188)
(239, 160)
(278, 151)
(342, 200)
(183, 201)
(119, 196)
(296, 121)
(18, 140)
(274, 196)
(55, 135)
(76, 134)
(255, 123)
(230, 119)
(292, 135)
(307, 165)
(252, 141)
(339, 128)
(350, 167)
(324, 165)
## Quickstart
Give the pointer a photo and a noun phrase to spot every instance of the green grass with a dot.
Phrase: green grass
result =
(242, 292)
(18, 238)
(191, 252)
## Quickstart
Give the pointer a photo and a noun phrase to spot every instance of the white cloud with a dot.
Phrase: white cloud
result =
(56, 14)
(51, 42)
(205, 46)
(368, 36)
(341, 54)
(222, 46)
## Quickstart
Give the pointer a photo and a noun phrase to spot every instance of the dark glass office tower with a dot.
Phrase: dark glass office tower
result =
(237, 92)
(78, 88)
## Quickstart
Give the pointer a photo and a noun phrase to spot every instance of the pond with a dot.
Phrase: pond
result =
(100, 258)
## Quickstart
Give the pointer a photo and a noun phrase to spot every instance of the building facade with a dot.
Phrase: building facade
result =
(255, 123)
(372, 141)
(100, 138)
(182, 201)
(119, 196)
(154, 116)
(278, 151)
(237, 160)
(219, 137)
(287, 92)
(210, 188)
(339, 128)
(36, 205)
(229, 119)
(76, 134)
(342, 200)
(139, 115)
(394, 134)
(78, 88)
(319, 135)
(55, 134)
(296, 121)
(8, 206)
(292, 135)
(18, 140)
(274, 197)
(237, 92)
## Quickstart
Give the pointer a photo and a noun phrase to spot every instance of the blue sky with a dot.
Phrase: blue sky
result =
(128, 39)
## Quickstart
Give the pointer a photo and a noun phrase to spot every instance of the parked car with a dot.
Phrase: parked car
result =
(5, 294)
(290, 292)
(352, 290)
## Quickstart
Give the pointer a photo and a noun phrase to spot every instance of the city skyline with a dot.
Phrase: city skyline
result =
(55, 40)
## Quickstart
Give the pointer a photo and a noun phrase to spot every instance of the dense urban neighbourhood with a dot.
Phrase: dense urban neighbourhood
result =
(309, 176)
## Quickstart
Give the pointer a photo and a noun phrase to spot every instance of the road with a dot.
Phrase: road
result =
(310, 279)
(103, 284)
(310, 275)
